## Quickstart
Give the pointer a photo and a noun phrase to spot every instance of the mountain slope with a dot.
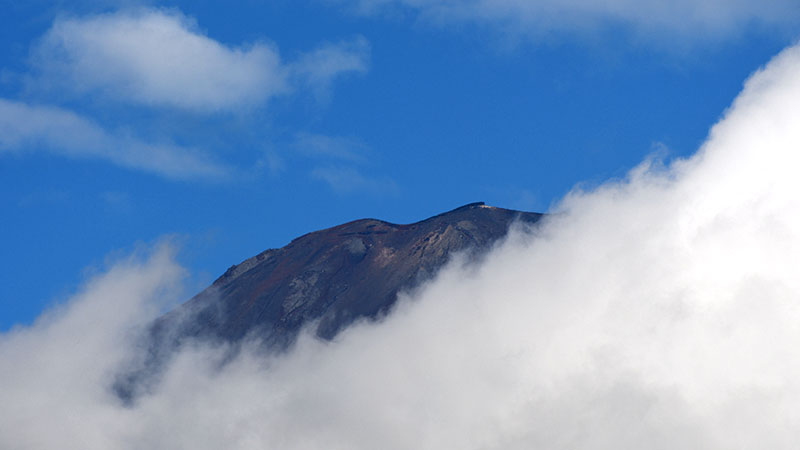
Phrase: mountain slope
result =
(325, 280)
(337, 275)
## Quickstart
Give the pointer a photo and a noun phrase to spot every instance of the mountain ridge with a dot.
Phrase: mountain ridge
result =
(249, 263)
(340, 274)
(323, 280)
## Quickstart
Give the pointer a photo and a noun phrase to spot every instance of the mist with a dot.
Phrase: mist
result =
(661, 310)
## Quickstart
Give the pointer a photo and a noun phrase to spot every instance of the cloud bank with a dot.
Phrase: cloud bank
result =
(659, 311)
(159, 58)
(28, 128)
(693, 20)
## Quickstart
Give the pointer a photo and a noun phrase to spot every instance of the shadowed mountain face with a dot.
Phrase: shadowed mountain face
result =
(325, 280)
(332, 277)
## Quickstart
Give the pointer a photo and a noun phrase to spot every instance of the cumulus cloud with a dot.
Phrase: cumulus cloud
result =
(72, 349)
(686, 19)
(26, 128)
(160, 58)
(660, 311)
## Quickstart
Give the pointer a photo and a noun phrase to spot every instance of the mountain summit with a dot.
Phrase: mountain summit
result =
(330, 278)
(324, 280)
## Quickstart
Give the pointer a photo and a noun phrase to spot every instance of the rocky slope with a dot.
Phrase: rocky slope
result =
(324, 280)
(331, 277)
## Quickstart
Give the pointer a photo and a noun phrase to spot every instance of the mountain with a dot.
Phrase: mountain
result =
(337, 275)
(325, 280)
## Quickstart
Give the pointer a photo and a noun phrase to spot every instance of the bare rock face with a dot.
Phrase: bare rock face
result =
(325, 280)
(335, 276)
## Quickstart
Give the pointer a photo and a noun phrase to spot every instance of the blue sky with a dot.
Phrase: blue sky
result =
(236, 128)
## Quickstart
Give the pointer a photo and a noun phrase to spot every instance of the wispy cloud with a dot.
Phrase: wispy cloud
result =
(689, 20)
(155, 58)
(341, 164)
(160, 58)
(28, 128)
(350, 180)
(333, 147)
(321, 66)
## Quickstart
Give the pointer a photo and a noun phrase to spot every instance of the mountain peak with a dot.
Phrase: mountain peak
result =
(337, 275)
(325, 279)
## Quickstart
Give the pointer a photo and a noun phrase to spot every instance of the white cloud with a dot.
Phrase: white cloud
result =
(156, 58)
(319, 67)
(160, 58)
(656, 312)
(684, 19)
(27, 128)
(72, 349)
